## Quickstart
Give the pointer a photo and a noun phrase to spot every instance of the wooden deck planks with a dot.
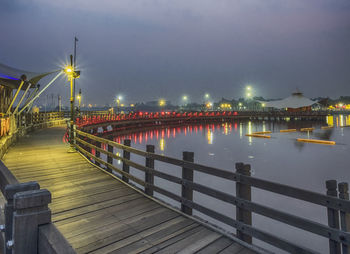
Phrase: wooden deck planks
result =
(98, 214)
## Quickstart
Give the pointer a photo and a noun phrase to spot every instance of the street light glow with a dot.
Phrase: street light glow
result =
(206, 95)
(68, 70)
(162, 102)
(185, 97)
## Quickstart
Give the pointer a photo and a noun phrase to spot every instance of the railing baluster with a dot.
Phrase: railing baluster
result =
(187, 174)
(344, 217)
(30, 211)
(126, 155)
(243, 191)
(149, 177)
(109, 158)
(333, 216)
(97, 153)
(9, 192)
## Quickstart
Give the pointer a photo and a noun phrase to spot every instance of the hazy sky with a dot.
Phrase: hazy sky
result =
(148, 49)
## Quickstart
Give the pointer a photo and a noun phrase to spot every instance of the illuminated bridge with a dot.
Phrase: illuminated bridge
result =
(84, 202)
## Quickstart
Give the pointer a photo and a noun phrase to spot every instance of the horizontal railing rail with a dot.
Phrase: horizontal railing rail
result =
(87, 143)
(93, 119)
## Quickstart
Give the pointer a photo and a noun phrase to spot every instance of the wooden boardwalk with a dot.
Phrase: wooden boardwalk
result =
(99, 214)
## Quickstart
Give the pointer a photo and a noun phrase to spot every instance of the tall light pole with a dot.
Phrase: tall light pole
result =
(72, 74)
(249, 92)
(75, 61)
(162, 103)
(185, 100)
(118, 100)
(79, 100)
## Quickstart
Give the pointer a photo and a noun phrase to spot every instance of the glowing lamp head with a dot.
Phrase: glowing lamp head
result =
(162, 102)
(68, 70)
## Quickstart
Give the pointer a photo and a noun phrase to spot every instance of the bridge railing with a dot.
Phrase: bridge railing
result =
(91, 119)
(11, 127)
(26, 219)
(338, 208)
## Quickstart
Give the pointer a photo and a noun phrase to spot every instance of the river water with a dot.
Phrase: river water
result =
(280, 159)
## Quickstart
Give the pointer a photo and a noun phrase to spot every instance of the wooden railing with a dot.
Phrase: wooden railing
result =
(98, 118)
(26, 220)
(338, 209)
(12, 127)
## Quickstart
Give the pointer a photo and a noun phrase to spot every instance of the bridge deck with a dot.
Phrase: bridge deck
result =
(99, 214)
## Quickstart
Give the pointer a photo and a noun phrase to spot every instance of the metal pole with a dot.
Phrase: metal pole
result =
(71, 111)
(36, 96)
(75, 61)
(20, 101)
(31, 96)
(14, 98)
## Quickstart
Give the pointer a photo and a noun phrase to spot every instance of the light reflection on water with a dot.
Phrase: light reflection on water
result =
(280, 159)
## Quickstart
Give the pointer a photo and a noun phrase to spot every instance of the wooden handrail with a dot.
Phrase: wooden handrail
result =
(6, 177)
(286, 190)
(287, 218)
(336, 235)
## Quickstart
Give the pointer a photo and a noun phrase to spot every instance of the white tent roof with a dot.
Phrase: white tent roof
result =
(296, 100)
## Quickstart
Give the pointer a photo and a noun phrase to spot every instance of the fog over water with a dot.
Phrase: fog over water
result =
(280, 159)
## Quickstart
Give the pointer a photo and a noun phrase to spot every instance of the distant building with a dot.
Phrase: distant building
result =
(294, 103)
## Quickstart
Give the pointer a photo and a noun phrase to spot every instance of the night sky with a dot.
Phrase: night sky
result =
(151, 49)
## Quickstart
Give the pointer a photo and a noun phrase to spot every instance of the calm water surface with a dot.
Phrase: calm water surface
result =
(281, 159)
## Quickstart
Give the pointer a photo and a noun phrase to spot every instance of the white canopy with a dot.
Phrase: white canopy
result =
(296, 100)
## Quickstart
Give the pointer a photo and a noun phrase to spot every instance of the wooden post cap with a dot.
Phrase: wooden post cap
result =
(33, 198)
(239, 165)
(150, 148)
(331, 185)
(127, 142)
(343, 187)
(12, 189)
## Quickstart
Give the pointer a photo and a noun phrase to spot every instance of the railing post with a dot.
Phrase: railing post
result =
(109, 158)
(126, 155)
(344, 217)
(9, 192)
(243, 191)
(97, 153)
(187, 175)
(149, 177)
(333, 216)
(30, 211)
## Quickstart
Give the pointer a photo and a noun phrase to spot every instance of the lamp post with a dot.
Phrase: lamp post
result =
(249, 94)
(71, 74)
(162, 103)
(79, 100)
(118, 100)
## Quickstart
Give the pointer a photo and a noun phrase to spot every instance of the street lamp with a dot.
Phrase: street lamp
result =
(184, 99)
(118, 100)
(79, 100)
(71, 74)
(162, 102)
